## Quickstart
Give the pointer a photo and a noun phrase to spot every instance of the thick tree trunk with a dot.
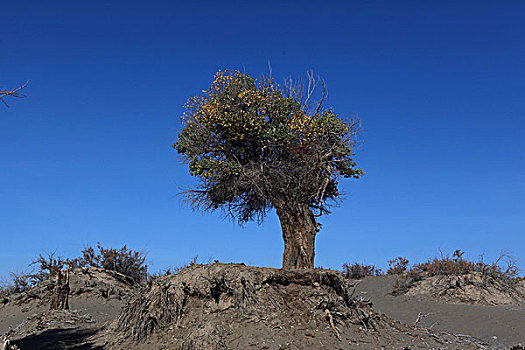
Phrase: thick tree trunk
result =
(299, 229)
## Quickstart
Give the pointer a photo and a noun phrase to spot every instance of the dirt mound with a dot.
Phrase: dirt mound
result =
(238, 307)
(498, 324)
(95, 293)
(473, 288)
(91, 281)
(219, 306)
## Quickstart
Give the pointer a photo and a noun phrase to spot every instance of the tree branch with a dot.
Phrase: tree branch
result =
(14, 93)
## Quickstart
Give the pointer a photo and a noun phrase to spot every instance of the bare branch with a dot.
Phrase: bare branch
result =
(13, 93)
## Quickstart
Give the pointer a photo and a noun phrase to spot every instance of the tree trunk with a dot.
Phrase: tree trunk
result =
(60, 296)
(299, 229)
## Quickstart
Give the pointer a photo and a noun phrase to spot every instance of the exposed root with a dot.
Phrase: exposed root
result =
(331, 321)
(233, 306)
(236, 288)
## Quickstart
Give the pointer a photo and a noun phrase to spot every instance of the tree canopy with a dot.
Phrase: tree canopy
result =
(255, 145)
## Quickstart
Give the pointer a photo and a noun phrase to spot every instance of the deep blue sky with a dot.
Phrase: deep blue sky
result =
(86, 157)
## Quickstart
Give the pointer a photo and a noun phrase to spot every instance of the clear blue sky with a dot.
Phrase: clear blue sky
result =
(86, 157)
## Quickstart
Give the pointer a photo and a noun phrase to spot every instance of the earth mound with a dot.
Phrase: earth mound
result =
(233, 306)
(87, 281)
(472, 288)
(96, 298)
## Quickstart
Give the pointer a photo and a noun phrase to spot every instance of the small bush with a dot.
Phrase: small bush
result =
(503, 268)
(397, 266)
(21, 281)
(359, 271)
(18, 282)
(48, 266)
(125, 261)
(5, 290)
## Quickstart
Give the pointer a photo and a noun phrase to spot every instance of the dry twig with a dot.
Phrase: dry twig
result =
(13, 92)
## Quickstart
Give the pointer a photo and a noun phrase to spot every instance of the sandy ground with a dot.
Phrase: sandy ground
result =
(101, 310)
(277, 312)
(503, 324)
(95, 300)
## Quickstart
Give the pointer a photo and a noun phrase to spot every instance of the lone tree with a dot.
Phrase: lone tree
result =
(255, 145)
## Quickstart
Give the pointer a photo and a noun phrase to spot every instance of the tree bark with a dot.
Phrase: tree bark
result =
(299, 229)
(60, 296)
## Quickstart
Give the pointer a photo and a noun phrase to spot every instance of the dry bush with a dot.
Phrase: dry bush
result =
(17, 282)
(48, 266)
(5, 290)
(125, 261)
(358, 271)
(397, 266)
(21, 281)
(504, 269)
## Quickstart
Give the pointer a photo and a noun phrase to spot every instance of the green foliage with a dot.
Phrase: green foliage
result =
(254, 144)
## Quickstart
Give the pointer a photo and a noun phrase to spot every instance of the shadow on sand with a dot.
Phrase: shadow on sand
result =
(59, 339)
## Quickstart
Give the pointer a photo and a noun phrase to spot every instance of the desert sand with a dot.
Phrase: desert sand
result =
(232, 306)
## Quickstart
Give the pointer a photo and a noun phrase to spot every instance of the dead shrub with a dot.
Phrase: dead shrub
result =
(21, 281)
(397, 266)
(503, 270)
(125, 261)
(48, 266)
(359, 271)
(17, 282)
